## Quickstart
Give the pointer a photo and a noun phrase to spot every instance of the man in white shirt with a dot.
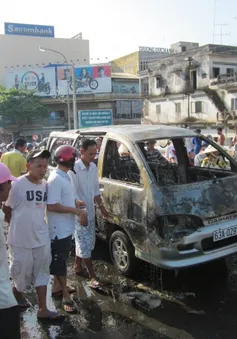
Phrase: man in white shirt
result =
(61, 211)
(86, 184)
(28, 238)
(9, 311)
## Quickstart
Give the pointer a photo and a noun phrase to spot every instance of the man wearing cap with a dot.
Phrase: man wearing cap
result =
(9, 311)
(62, 209)
(28, 238)
(15, 160)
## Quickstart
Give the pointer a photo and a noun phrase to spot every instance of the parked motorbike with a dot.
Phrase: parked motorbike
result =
(44, 87)
(85, 82)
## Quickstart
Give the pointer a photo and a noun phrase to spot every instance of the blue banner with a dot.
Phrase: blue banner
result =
(29, 30)
(93, 118)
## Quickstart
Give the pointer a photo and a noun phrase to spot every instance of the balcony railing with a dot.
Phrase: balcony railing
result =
(100, 97)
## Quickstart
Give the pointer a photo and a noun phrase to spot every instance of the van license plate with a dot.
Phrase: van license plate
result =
(224, 233)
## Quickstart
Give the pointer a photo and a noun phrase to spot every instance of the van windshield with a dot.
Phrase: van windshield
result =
(187, 160)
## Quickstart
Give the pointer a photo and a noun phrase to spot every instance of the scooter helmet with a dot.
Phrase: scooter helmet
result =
(66, 156)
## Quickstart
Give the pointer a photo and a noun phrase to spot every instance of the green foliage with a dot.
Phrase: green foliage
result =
(190, 119)
(21, 104)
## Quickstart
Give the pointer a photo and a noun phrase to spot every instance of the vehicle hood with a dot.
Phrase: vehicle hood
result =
(207, 199)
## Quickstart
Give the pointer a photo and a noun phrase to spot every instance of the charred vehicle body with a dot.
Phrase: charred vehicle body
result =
(164, 207)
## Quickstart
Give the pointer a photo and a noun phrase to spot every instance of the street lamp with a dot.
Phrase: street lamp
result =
(74, 98)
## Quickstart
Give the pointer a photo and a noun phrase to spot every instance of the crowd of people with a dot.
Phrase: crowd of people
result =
(43, 218)
(201, 153)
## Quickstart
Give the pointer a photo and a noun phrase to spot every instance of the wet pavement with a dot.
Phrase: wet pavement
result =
(198, 303)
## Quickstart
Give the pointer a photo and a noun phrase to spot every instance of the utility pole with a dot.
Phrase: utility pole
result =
(189, 60)
(74, 97)
(214, 22)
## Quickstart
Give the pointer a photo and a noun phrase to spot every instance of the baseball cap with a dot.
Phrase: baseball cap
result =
(5, 174)
(38, 154)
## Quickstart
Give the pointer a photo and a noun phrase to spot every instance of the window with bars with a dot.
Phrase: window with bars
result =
(177, 107)
(234, 104)
(158, 109)
(199, 107)
(143, 65)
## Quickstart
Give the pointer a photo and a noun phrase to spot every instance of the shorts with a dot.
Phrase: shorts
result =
(85, 239)
(10, 323)
(60, 249)
(30, 265)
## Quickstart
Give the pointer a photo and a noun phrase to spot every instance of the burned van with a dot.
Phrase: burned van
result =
(167, 205)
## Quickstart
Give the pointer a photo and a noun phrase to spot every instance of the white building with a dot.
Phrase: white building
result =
(197, 82)
(19, 52)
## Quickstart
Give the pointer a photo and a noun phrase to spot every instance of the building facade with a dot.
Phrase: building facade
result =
(139, 60)
(196, 83)
(23, 65)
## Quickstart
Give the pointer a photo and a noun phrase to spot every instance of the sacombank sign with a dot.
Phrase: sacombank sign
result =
(29, 30)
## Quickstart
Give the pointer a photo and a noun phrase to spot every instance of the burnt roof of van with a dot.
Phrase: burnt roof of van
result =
(134, 132)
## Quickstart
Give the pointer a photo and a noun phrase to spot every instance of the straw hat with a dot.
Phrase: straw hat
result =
(210, 149)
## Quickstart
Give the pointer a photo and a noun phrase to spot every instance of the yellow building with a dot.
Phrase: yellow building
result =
(126, 64)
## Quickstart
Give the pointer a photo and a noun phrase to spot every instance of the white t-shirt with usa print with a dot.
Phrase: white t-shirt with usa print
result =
(28, 227)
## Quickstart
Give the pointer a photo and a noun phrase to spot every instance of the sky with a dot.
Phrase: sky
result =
(116, 28)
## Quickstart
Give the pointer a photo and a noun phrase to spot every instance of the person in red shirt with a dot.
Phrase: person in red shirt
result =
(221, 137)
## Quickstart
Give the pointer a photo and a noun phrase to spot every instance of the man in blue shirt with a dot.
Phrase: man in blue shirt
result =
(197, 142)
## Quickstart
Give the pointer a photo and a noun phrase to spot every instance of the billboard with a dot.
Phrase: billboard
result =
(38, 80)
(88, 79)
(123, 86)
(28, 30)
(93, 118)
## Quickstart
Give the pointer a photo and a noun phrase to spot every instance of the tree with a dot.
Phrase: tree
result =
(20, 105)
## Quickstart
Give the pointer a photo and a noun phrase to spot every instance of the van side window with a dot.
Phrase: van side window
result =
(119, 163)
(57, 142)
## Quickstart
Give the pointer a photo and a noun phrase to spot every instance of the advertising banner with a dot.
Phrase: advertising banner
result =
(38, 80)
(29, 30)
(93, 118)
(88, 79)
(128, 87)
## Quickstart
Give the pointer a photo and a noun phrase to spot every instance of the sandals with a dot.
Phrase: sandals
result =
(60, 293)
(95, 284)
(71, 304)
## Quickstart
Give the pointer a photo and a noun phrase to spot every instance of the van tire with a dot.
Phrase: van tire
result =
(125, 260)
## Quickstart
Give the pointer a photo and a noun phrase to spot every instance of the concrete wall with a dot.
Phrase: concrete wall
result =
(23, 51)
(168, 113)
(222, 62)
(175, 82)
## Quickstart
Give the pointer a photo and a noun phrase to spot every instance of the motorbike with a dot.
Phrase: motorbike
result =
(85, 82)
(44, 87)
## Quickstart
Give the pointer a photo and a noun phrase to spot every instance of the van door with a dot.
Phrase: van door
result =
(123, 190)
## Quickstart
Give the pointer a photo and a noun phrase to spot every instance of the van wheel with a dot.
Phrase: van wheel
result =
(122, 253)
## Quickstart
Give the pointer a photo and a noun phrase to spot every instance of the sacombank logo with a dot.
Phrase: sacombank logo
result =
(30, 30)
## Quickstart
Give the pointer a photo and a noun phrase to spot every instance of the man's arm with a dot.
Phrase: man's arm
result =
(8, 213)
(222, 140)
(233, 141)
(11, 202)
(54, 203)
(58, 208)
(98, 199)
(22, 165)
